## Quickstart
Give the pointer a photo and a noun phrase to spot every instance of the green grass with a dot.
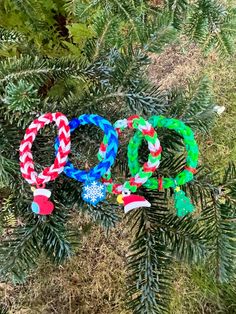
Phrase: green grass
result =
(92, 281)
(220, 147)
(195, 292)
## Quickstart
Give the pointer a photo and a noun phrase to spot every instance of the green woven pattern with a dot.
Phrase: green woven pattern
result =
(145, 172)
(190, 144)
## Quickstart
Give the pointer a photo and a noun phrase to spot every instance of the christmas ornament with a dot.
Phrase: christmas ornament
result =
(133, 201)
(41, 204)
(94, 191)
(182, 202)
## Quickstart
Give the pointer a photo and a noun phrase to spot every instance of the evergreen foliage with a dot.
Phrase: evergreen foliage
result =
(212, 24)
(90, 56)
(195, 105)
(220, 216)
(20, 96)
(161, 239)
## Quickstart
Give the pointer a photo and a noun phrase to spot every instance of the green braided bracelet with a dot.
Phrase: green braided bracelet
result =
(182, 203)
(144, 172)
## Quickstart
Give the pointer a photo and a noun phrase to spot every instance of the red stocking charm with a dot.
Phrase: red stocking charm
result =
(41, 205)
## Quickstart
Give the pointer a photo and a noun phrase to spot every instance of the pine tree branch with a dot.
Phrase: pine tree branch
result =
(20, 251)
(186, 238)
(149, 273)
(149, 263)
(220, 219)
(100, 41)
(37, 70)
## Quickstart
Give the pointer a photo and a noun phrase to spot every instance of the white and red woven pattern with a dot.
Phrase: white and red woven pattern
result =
(145, 172)
(26, 158)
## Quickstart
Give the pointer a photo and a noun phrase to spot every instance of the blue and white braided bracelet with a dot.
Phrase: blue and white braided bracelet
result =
(94, 192)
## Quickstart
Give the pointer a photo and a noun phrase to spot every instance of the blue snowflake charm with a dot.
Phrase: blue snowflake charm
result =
(93, 192)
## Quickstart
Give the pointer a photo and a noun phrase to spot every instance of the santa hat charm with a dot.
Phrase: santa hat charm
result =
(41, 205)
(132, 201)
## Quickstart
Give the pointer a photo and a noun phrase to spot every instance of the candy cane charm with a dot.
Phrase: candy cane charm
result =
(41, 205)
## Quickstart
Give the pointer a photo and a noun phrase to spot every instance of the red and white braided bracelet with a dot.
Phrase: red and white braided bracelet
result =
(41, 205)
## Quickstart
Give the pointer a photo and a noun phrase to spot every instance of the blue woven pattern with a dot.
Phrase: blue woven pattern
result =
(98, 171)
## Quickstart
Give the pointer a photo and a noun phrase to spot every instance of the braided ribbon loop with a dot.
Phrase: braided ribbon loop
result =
(184, 176)
(93, 191)
(41, 204)
(109, 150)
(145, 172)
(26, 158)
